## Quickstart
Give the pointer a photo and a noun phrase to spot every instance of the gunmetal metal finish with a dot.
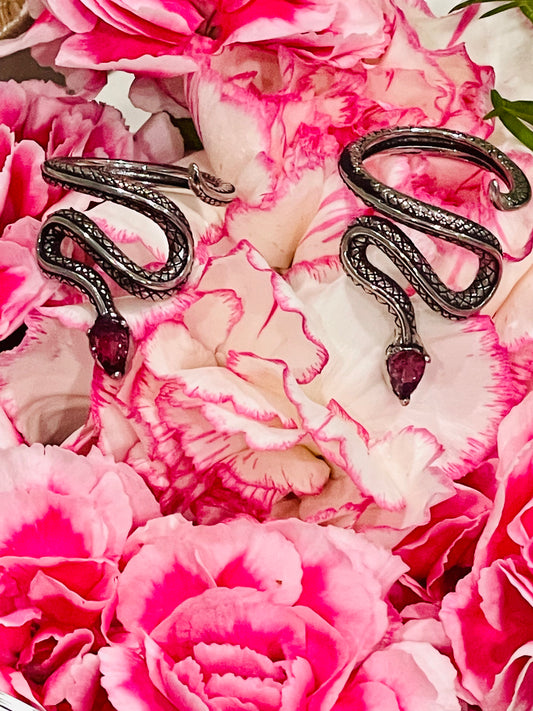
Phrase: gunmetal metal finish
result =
(426, 218)
(127, 183)
(131, 184)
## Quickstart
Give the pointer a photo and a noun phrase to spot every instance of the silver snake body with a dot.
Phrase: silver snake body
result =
(131, 184)
(127, 183)
(424, 217)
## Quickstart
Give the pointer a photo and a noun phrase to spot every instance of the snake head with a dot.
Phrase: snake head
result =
(109, 340)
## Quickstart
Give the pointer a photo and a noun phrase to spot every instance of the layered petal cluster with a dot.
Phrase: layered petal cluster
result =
(64, 524)
(238, 556)
(489, 616)
(275, 125)
(158, 38)
(247, 616)
(241, 396)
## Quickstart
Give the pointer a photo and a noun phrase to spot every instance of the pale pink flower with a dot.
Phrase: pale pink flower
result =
(222, 348)
(45, 382)
(231, 403)
(241, 615)
(468, 362)
(213, 411)
(490, 615)
(64, 524)
(9, 437)
(405, 675)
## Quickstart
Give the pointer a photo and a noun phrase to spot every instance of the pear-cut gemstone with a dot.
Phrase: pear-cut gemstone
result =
(405, 367)
(109, 341)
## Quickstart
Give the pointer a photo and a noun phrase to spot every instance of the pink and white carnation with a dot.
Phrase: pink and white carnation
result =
(248, 415)
(274, 124)
(240, 397)
(157, 39)
(64, 524)
(216, 419)
(250, 519)
(489, 616)
(247, 616)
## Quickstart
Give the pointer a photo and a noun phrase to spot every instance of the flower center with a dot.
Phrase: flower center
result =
(209, 27)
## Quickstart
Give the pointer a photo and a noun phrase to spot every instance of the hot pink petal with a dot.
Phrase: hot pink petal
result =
(127, 683)
(253, 615)
(450, 535)
(65, 521)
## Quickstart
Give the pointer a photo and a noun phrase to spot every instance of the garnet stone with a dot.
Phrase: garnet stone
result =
(109, 340)
(406, 367)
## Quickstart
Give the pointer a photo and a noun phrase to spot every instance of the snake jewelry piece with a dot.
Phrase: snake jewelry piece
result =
(132, 184)
(406, 358)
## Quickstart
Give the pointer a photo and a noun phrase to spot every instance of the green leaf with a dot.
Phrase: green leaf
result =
(517, 128)
(512, 114)
(525, 6)
(497, 10)
(521, 109)
(191, 139)
(468, 3)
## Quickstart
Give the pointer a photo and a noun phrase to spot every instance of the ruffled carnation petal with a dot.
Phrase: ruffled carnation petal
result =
(466, 355)
(240, 631)
(65, 520)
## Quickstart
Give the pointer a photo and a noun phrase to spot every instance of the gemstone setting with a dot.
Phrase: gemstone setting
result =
(405, 366)
(109, 339)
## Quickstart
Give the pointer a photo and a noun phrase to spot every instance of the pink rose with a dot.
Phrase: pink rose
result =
(64, 524)
(490, 615)
(241, 615)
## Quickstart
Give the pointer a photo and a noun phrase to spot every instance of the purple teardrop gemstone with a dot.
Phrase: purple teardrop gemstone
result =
(406, 367)
(109, 341)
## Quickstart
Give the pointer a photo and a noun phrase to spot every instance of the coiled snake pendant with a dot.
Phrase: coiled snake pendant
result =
(131, 184)
(405, 357)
